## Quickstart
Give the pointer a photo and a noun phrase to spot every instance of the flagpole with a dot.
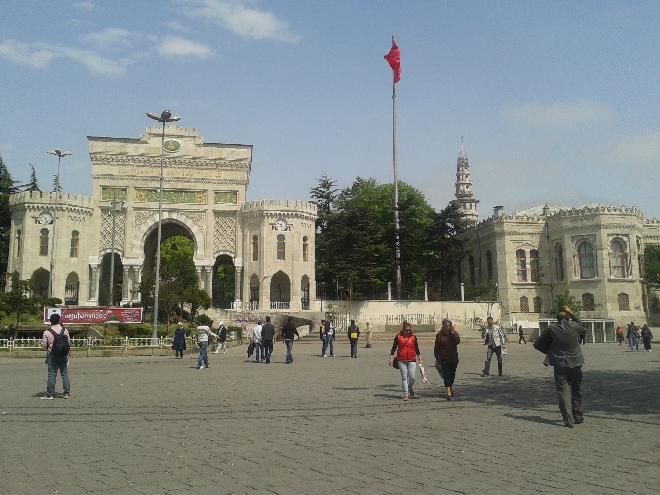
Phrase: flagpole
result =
(397, 244)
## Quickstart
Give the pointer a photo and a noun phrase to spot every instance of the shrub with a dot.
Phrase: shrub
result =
(203, 319)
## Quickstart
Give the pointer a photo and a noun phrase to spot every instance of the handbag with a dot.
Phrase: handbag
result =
(395, 363)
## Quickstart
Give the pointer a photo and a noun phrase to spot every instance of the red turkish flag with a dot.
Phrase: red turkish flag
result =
(394, 59)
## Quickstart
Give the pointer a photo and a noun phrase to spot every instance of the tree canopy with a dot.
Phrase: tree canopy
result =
(355, 238)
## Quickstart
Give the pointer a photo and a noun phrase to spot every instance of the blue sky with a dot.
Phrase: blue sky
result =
(558, 101)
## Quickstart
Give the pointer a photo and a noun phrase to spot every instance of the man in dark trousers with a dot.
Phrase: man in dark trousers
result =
(561, 344)
(353, 336)
(521, 335)
(57, 342)
(267, 338)
(289, 332)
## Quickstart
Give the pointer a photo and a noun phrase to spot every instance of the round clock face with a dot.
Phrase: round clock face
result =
(45, 218)
(171, 146)
(280, 225)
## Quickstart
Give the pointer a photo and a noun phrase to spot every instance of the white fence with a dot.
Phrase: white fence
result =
(98, 343)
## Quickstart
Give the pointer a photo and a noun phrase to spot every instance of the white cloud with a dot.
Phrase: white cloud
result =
(40, 55)
(181, 47)
(641, 149)
(88, 6)
(110, 36)
(559, 114)
(241, 19)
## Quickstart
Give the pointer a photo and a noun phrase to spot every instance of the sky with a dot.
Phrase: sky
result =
(557, 101)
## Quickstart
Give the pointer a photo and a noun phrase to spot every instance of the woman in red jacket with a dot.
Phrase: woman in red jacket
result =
(446, 354)
(407, 353)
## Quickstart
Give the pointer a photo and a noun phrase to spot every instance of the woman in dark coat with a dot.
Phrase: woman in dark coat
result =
(647, 337)
(179, 341)
(446, 355)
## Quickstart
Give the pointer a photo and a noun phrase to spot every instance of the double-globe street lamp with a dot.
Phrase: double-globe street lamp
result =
(59, 154)
(165, 117)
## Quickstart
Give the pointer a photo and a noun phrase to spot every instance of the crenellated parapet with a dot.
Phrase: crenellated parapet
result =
(38, 199)
(276, 205)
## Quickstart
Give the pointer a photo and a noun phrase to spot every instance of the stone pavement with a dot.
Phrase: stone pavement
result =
(155, 425)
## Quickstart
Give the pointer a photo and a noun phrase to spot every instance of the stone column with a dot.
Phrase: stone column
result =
(238, 278)
(138, 279)
(94, 283)
(200, 280)
(124, 286)
(209, 280)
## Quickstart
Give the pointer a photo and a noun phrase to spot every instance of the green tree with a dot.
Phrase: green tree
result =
(32, 184)
(567, 299)
(18, 300)
(198, 299)
(7, 187)
(652, 264)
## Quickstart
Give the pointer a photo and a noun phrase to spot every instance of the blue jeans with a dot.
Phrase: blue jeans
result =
(257, 352)
(203, 358)
(289, 348)
(408, 370)
(354, 346)
(328, 341)
(53, 366)
(268, 349)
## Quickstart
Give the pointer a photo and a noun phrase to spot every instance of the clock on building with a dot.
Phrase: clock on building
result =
(45, 218)
(281, 225)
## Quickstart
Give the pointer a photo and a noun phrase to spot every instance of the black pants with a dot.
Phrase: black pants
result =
(522, 339)
(267, 347)
(448, 372)
(179, 352)
(568, 382)
(497, 350)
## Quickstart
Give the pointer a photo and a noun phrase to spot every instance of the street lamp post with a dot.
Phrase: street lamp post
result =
(59, 154)
(165, 117)
(115, 206)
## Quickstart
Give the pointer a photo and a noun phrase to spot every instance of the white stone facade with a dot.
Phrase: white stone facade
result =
(594, 252)
(204, 199)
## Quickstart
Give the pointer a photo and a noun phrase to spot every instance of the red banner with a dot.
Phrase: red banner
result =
(97, 316)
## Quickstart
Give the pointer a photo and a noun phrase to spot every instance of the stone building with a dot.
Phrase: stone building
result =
(268, 245)
(594, 252)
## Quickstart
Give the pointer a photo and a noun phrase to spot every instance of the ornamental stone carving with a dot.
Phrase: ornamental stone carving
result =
(106, 230)
(224, 232)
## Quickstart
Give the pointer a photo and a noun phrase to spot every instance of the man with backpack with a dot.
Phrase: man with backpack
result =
(57, 342)
(353, 336)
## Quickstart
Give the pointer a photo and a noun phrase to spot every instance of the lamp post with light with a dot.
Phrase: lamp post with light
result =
(59, 154)
(165, 117)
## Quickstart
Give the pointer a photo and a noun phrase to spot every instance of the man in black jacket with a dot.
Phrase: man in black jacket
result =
(561, 342)
(289, 332)
(353, 336)
(267, 337)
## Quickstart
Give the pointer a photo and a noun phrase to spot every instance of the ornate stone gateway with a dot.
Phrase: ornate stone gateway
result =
(204, 196)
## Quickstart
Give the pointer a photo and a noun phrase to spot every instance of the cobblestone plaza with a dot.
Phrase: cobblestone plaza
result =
(155, 425)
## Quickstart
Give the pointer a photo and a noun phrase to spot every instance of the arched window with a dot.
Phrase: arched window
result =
(255, 248)
(588, 303)
(618, 258)
(538, 303)
(489, 265)
(534, 272)
(75, 239)
(19, 242)
(305, 249)
(471, 269)
(524, 304)
(586, 260)
(281, 247)
(559, 262)
(521, 266)
(624, 301)
(43, 242)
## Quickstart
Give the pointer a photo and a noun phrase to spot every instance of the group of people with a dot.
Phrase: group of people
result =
(634, 335)
(204, 337)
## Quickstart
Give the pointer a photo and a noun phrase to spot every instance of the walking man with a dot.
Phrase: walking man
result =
(369, 332)
(57, 342)
(561, 344)
(267, 337)
(256, 340)
(222, 338)
(630, 335)
(289, 332)
(328, 339)
(353, 336)
(521, 335)
(203, 334)
(494, 339)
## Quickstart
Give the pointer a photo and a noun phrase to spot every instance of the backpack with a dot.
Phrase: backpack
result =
(61, 347)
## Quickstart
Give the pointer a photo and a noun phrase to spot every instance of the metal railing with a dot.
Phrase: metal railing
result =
(98, 343)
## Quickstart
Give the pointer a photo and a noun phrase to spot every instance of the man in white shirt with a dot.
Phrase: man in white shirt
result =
(203, 334)
(494, 338)
(256, 340)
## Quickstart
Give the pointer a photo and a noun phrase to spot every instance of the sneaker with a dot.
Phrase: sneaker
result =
(66, 396)
(405, 397)
(325, 356)
(332, 355)
(483, 373)
(46, 397)
(411, 393)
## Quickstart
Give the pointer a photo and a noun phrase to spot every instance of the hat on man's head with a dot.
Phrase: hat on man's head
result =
(179, 324)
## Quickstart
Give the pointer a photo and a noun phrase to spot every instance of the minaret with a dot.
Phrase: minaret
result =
(464, 196)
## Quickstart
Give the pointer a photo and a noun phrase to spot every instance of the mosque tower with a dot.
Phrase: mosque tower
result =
(464, 196)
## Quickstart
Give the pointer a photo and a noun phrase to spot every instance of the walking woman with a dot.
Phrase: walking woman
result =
(179, 341)
(446, 355)
(407, 354)
(647, 337)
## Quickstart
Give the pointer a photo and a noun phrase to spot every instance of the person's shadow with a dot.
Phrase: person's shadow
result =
(535, 419)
